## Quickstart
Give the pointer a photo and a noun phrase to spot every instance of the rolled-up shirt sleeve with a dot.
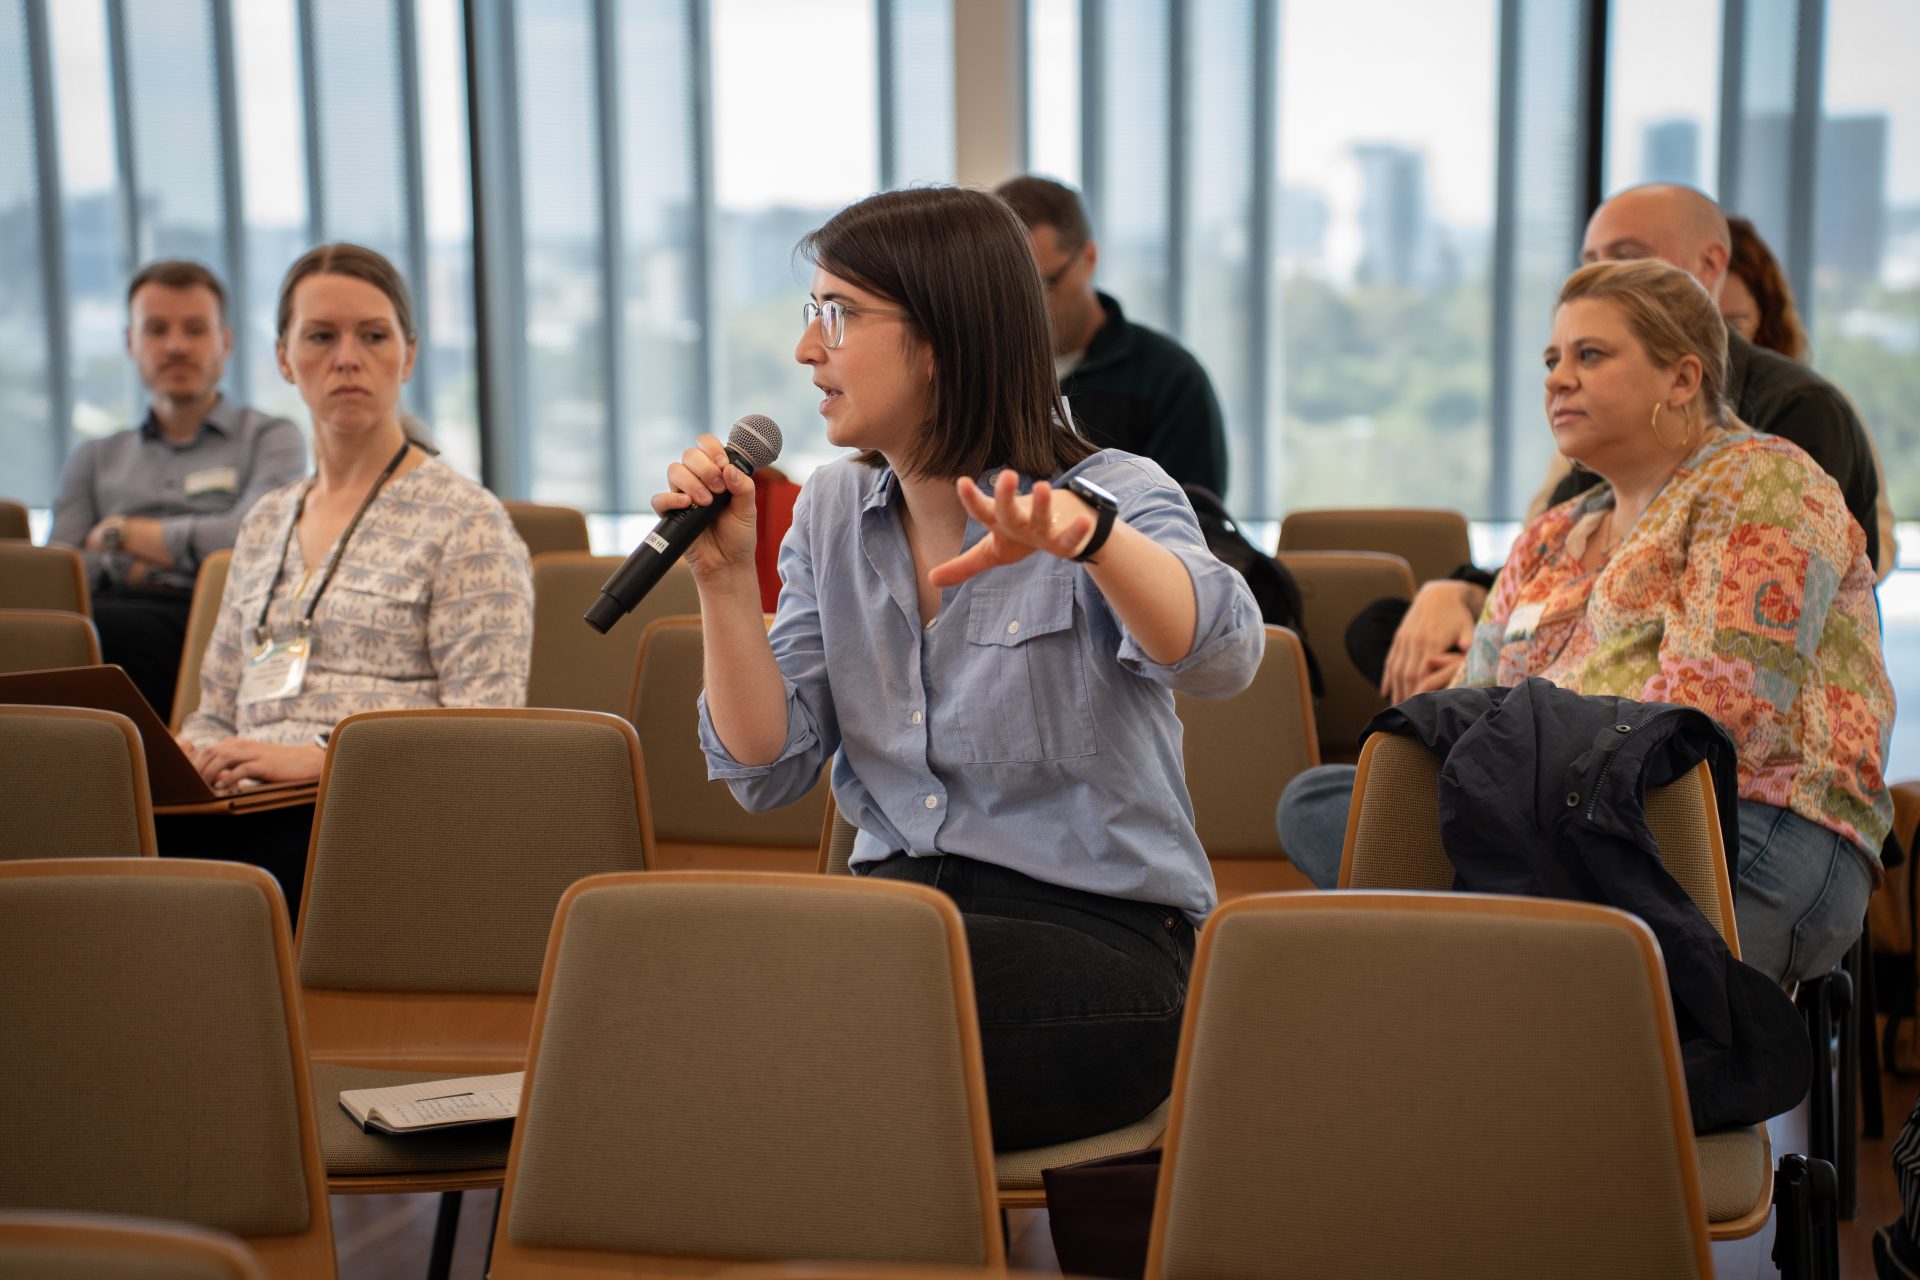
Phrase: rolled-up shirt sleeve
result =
(813, 731)
(1229, 637)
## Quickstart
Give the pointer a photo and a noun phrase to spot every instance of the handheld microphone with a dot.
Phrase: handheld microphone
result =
(753, 443)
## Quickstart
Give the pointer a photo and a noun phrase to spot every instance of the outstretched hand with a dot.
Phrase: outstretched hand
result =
(1048, 519)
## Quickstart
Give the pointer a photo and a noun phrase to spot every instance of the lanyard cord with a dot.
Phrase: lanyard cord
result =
(340, 548)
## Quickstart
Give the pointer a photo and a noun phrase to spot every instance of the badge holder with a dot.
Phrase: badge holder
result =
(276, 668)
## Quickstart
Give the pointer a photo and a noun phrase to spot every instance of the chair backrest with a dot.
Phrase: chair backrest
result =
(164, 1075)
(40, 639)
(1393, 830)
(545, 528)
(85, 1246)
(687, 808)
(209, 585)
(1242, 751)
(1464, 1116)
(1335, 586)
(1433, 542)
(442, 841)
(73, 784)
(43, 578)
(574, 665)
(14, 524)
(721, 1113)
(836, 841)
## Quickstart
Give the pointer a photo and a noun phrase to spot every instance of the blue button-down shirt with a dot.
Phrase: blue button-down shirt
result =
(1024, 726)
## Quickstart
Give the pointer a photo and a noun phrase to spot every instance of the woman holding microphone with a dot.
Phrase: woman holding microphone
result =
(982, 623)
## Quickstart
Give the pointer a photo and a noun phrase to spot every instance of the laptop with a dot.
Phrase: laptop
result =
(171, 777)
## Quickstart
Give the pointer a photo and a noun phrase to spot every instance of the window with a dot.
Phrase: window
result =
(795, 139)
(26, 384)
(1662, 127)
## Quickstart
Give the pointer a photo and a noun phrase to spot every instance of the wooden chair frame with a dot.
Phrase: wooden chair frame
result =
(76, 564)
(513, 1261)
(680, 855)
(1299, 531)
(550, 517)
(136, 754)
(15, 521)
(458, 1032)
(203, 614)
(1701, 778)
(62, 617)
(1237, 876)
(309, 1254)
(144, 1238)
(1546, 909)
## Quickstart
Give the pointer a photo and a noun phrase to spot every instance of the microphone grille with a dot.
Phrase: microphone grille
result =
(756, 438)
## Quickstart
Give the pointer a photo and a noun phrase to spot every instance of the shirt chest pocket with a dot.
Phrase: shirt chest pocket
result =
(1028, 697)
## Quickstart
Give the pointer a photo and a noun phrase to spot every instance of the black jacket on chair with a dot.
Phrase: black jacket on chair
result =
(1543, 794)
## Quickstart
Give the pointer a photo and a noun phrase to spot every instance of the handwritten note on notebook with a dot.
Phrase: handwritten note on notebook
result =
(435, 1104)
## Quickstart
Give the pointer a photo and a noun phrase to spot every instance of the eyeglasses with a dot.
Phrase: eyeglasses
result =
(1053, 281)
(833, 315)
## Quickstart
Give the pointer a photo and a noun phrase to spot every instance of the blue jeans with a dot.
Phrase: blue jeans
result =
(1800, 891)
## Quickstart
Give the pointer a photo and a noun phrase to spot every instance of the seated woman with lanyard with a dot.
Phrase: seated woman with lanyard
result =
(982, 624)
(1715, 568)
(386, 580)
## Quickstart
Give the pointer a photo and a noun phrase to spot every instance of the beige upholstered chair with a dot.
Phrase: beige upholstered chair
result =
(1433, 542)
(1334, 586)
(43, 578)
(88, 1246)
(164, 1076)
(574, 665)
(1393, 842)
(697, 823)
(14, 524)
(209, 584)
(545, 529)
(730, 1066)
(39, 639)
(1017, 1177)
(1511, 1131)
(73, 784)
(442, 841)
(1240, 754)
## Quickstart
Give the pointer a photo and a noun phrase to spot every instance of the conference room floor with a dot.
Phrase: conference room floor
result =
(388, 1237)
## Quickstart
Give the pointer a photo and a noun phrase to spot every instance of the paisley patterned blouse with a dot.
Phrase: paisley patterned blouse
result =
(432, 606)
(1743, 590)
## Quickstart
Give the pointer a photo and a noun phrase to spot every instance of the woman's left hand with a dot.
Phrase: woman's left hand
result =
(1048, 519)
(228, 762)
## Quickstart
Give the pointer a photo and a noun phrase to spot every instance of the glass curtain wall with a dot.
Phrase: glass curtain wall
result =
(235, 134)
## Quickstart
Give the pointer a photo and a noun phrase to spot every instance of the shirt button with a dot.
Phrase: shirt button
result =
(933, 802)
(1013, 628)
(916, 717)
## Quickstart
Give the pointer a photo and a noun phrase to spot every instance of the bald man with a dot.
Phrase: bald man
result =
(1412, 649)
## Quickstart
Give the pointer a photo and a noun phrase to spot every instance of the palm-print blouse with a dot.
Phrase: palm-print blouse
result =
(432, 606)
(1743, 590)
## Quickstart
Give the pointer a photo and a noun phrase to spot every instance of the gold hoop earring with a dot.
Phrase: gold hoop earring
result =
(1654, 423)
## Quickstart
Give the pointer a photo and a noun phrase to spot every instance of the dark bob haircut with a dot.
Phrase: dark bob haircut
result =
(958, 263)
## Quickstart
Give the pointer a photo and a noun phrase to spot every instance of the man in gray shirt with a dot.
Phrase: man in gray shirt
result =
(148, 504)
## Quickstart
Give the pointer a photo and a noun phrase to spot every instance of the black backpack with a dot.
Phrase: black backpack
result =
(1274, 589)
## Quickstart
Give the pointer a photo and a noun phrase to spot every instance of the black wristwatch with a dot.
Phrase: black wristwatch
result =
(1105, 508)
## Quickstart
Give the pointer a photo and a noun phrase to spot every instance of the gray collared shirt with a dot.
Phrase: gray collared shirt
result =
(199, 491)
(1025, 726)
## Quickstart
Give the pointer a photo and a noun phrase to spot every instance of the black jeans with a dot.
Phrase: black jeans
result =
(144, 632)
(1080, 997)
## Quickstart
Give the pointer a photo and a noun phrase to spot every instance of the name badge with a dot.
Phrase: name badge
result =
(213, 480)
(275, 669)
(1522, 621)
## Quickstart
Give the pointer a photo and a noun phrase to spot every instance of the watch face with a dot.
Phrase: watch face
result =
(1093, 493)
